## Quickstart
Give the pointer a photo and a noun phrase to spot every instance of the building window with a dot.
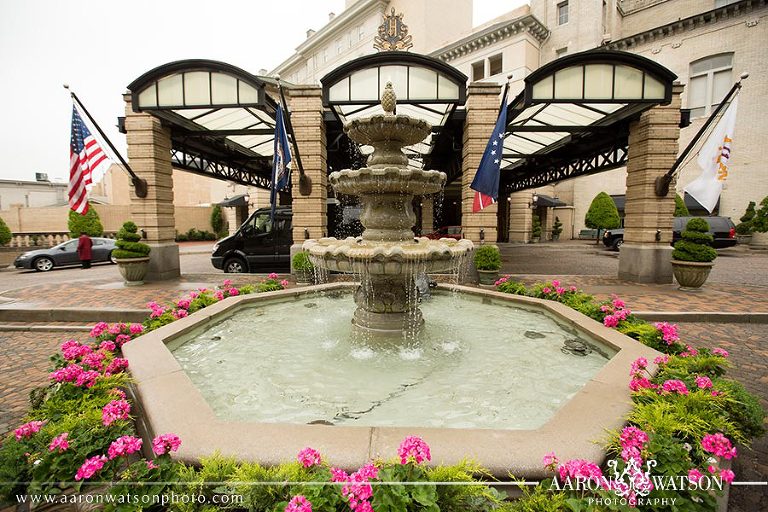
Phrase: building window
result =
(495, 65)
(478, 71)
(562, 13)
(709, 83)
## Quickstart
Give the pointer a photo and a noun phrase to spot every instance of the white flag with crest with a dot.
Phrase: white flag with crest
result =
(714, 160)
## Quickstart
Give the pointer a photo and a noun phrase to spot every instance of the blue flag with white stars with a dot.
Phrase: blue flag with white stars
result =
(486, 182)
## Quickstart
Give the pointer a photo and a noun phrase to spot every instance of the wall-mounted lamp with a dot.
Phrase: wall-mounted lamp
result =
(658, 235)
(482, 235)
(306, 234)
(534, 201)
(143, 234)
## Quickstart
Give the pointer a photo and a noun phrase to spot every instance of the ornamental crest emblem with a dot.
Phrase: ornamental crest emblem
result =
(393, 34)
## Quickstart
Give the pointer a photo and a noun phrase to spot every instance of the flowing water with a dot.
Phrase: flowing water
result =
(474, 364)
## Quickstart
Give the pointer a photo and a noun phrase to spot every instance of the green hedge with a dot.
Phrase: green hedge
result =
(694, 245)
(128, 245)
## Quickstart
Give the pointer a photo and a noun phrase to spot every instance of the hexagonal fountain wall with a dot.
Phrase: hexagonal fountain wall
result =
(503, 394)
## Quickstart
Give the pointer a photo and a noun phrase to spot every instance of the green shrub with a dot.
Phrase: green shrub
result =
(301, 262)
(745, 411)
(182, 237)
(694, 245)
(5, 233)
(760, 221)
(602, 214)
(487, 257)
(680, 209)
(744, 228)
(217, 221)
(749, 213)
(128, 244)
(512, 287)
(90, 224)
(557, 227)
(535, 226)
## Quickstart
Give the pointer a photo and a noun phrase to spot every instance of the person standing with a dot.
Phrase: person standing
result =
(84, 244)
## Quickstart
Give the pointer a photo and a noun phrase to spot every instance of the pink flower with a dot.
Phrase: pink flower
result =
(675, 386)
(90, 467)
(727, 475)
(136, 328)
(117, 392)
(28, 429)
(695, 475)
(413, 447)
(638, 365)
(108, 346)
(116, 329)
(98, 329)
(637, 384)
(233, 292)
(87, 378)
(299, 504)
(550, 460)
(72, 349)
(703, 382)
(560, 290)
(193, 295)
(183, 303)
(122, 339)
(720, 352)
(339, 475)
(668, 332)
(718, 445)
(151, 465)
(94, 360)
(618, 303)
(69, 373)
(124, 445)
(227, 283)
(117, 365)
(273, 275)
(573, 289)
(180, 313)
(610, 321)
(309, 457)
(114, 411)
(555, 283)
(580, 468)
(661, 359)
(546, 290)
(59, 443)
(284, 283)
(712, 469)
(633, 437)
(218, 295)
(165, 443)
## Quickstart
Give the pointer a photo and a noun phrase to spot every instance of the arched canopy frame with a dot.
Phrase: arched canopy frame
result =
(572, 118)
(222, 119)
(426, 88)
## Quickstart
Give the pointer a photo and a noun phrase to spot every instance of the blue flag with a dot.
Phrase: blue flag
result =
(281, 164)
(486, 182)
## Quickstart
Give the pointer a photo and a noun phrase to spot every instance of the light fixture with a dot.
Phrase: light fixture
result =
(534, 201)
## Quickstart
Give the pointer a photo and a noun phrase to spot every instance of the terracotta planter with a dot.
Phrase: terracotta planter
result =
(133, 270)
(488, 276)
(759, 241)
(690, 275)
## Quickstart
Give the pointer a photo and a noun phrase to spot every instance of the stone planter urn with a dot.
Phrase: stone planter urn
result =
(133, 270)
(759, 241)
(488, 276)
(691, 275)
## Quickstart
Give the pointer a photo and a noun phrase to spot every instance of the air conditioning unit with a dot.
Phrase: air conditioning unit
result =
(41, 176)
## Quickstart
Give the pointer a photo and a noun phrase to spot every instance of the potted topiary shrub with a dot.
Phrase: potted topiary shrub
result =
(303, 268)
(131, 256)
(692, 258)
(744, 228)
(557, 228)
(760, 227)
(535, 229)
(488, 263)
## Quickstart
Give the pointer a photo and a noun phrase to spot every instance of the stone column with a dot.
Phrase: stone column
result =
(482, 112)
(653, 146)
(520, 216)
(427, 214)
(149, 155)
(235, 217)
(309, 212)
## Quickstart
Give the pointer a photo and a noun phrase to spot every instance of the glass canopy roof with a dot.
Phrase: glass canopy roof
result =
(582, 100)
(426, 88)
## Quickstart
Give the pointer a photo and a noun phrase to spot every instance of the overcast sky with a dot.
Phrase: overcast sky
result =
(100, 46)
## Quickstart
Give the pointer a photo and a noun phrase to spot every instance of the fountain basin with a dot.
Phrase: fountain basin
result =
(387, 180)
(404, 130)
(171, 402)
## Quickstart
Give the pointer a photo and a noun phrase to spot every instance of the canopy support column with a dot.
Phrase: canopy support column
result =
(646, 254)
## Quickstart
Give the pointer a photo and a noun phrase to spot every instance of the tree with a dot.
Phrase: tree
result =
(90, 224)
(5, 232)
(680, 209)
(217, 221)
(602, 214)
(557, 228)
(535, 226)
(745, 226)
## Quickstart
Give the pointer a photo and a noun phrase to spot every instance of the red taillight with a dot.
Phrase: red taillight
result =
(732, 233)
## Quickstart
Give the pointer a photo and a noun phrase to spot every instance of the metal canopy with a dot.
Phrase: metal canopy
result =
(222, 121)
(426, 88)
(572, 118)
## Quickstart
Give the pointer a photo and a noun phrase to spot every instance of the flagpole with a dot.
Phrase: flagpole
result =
(662, 182)
(139, 185)
(305, 183)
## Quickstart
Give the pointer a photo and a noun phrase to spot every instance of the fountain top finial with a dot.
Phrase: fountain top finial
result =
(388, 99)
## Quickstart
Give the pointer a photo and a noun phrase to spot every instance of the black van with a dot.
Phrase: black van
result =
(259, 245)
(722, 229)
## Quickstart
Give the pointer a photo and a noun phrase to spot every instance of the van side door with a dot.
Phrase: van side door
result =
(259, 242)
(284, 239)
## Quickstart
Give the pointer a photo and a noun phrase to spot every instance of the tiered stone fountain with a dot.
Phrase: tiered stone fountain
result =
(387, 257)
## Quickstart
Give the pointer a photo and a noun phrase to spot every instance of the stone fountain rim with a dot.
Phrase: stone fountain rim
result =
(170, 402)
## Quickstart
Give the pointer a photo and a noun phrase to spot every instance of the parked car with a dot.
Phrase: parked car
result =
(446, 232)
(65, 254)
(259, 245)
(722, 230)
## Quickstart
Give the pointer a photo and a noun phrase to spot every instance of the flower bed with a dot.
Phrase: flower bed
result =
(686, 417)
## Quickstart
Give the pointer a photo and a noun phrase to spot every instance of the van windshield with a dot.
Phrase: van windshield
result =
(257, 224)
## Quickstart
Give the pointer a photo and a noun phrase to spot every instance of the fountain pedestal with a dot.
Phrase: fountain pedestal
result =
(387, 257)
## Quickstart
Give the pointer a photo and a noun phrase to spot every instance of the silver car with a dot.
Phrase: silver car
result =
(65, 254)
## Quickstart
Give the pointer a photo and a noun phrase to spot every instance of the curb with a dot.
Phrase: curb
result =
(72, 315)
(715, 317)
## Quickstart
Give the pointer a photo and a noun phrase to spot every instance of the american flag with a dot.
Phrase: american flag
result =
(486, 182)
(85, 156)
